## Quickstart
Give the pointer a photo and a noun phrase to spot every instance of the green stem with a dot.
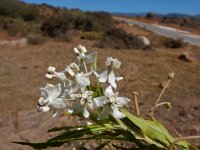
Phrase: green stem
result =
(120, 123)
(86, 71)
(182, 139)
(163, 90)
(95, 69)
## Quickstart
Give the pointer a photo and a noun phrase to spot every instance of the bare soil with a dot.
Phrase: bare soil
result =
(22, 72)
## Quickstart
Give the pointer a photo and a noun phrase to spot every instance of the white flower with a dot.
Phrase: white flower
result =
(50, 98)
(51, 72)
(84, 102)
(80, 51)
(111, 103)
(109, 75)
(79, 79)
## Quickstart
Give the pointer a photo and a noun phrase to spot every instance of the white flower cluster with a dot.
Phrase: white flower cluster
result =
(74, 92)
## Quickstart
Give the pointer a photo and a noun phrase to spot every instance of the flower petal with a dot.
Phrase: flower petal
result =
(74, 87)
(109, 61)
(49, 76)
(43, 108)
(77, 108)
(116, 64)
(60, 75)
(44, 92)
(69, 71)
(98, 101)
(73, 96)
(106, 111)
(56, 91)
(89, 59)
(119, 78)
(89, 93)
(111, 79)
(109, 92)
(122, 101)
(103, 76)
(86, 114)
(58, 103)
(116, 113)
(82, 81)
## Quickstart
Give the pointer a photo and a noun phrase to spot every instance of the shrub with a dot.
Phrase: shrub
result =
(28, 13)
(119, 39)
(150, 15)
(13, 26)
(36, 39)
(173, 43)
(91, 35)
(9, 7)
(98, 21)
(63, 38)
(57, 24)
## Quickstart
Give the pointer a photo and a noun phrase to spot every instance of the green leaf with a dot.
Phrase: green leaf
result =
(63, 128)
(41, 145)
(153, 129)
(77, 133)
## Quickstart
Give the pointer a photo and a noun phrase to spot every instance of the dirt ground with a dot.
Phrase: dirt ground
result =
(22, 72)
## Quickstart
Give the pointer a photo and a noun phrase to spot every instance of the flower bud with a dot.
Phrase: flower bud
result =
(82, 48)
(171, 75)
(74, 67)
(49, 76)
(76, 50)
(69, 71)
(51, 70)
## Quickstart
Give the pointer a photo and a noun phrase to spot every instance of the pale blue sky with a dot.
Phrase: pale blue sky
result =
(135, 6)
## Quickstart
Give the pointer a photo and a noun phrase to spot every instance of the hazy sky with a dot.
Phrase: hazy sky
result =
(160, 6)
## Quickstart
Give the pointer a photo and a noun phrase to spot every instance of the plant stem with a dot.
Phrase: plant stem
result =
(120, 123)
(136, 103)
(95, 69)
(163, 90)
(86, 71)
(182, 139)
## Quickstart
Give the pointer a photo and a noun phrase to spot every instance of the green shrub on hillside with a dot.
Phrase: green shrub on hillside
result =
(98, 21)
(57, 24)
(120, 39)
(9, 7)
(28, 13)
(14, 26)
(173, 43)
(91, 35)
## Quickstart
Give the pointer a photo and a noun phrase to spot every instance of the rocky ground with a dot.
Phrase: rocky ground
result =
(22, 70)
